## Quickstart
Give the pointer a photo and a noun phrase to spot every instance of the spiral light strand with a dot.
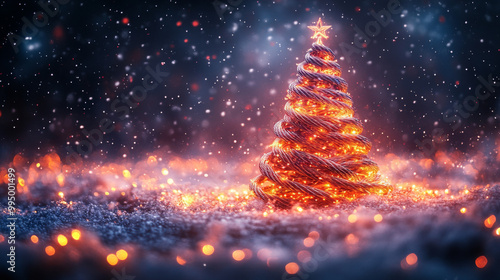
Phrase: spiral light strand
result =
(319, 156)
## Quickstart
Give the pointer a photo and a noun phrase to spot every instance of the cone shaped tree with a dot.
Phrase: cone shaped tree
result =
(319, 156)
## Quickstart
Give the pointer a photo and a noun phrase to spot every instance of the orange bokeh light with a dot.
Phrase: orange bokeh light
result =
(112, 259)
(352, 218)
(490, 221)
(76, 234)
(481, 262)
(238, 255)
(180, 260)
(411, 259)
(292, 268)
(49, 250)
(34, 239)
(208, 249)
(121, 254)
(62, 240)
(308, 242)
(314, 235)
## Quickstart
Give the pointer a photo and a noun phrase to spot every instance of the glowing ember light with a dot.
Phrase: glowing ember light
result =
(164, 171)
(180, 260)
(463, 210)
(308, 242)
(49, 250)
(490, 221)
(170, 181)
(61, 194)
(2, 239)
(76, 234)
(238, 255)
(62, 240)
(38, 165)
(300, 209)
(292, 268)
(481, 262)
(34, 239)
(351, 239)
(378, 218)
(352, 218)
(21, 182)
(126, 173)
(411, 259)
(304, 256)
(121, 254)
(207, 249)
(497, 231)
(112, 259)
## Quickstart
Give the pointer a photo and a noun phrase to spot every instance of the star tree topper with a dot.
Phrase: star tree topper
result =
(319, 31)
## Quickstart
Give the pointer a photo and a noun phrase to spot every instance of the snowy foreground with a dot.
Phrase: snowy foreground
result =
(345, 241)
(172, 228)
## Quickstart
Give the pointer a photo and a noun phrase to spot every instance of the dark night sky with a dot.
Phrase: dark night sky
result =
(228, 78)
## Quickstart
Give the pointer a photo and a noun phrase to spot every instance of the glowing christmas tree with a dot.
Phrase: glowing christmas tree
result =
(319, 156)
